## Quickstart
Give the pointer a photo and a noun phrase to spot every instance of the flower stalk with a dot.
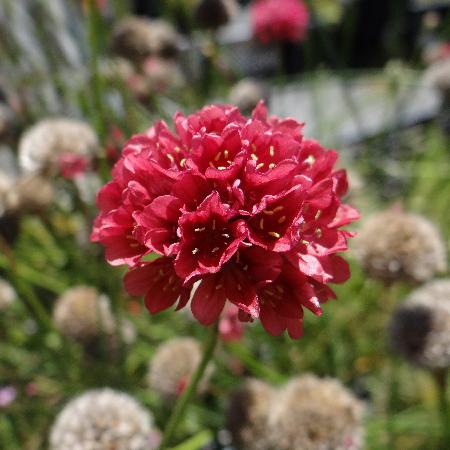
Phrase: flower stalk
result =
(183, 401)
(440, 377)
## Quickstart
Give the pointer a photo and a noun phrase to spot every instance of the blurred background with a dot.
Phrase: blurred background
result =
(369, 78)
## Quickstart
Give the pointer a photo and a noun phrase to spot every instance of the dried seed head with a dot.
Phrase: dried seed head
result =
(316, 414)
(41, 146)
(102, 419)
(214, 13)
(84, 315)
(420, 326)
(8, 196)
(137, 38)
(394, 245)
(246, 94)
(248, 412)
(173, 365)
(438, 76)
(34, 193)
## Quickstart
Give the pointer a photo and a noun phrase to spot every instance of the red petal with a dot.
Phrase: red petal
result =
(271, 321)
(240, 291)
(209, 300)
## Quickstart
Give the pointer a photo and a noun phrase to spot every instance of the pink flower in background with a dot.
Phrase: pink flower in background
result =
(7, 395)
(230, 327)
(72, 165)
(279, 20)
(246, 209)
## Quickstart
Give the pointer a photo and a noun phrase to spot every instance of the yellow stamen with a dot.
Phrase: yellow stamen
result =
(170, 157)
(281, 219)
(268, 212)
(278, 208)
(272, 165)
(254, 157)
(271, 151)
(195, 251)
(197, 230)
(260, 166)
(215, 249)
(225, 154)
(274, 234)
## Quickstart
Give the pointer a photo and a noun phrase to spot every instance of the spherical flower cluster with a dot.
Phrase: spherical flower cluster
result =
(316, 414)
(137, 38)
(214, 13)
(279, 20)
(173, 365)
(44, 146)
(85, 316)
(102, 419)
(246, 94)
(308, 413)
(248, 211)
(438, 76)
(394, 245)
(420, 327)
(35, 193)
(248, 414)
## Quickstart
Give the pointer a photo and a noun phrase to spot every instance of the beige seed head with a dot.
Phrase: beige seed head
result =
(438, 76)
(41, 145)
(246, 94)
(172, 366)
(420, 326)
(137, 38)
(102, 419)
(215, 13)
(248, 413)
(34, 193)
(316, 414)
(395, 245)
(84, 315)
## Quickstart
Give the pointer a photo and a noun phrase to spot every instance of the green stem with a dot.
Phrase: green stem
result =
(183, 401)
(440, 377)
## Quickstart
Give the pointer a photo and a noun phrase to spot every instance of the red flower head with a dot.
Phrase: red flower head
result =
(239, 210)
(279, 20)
